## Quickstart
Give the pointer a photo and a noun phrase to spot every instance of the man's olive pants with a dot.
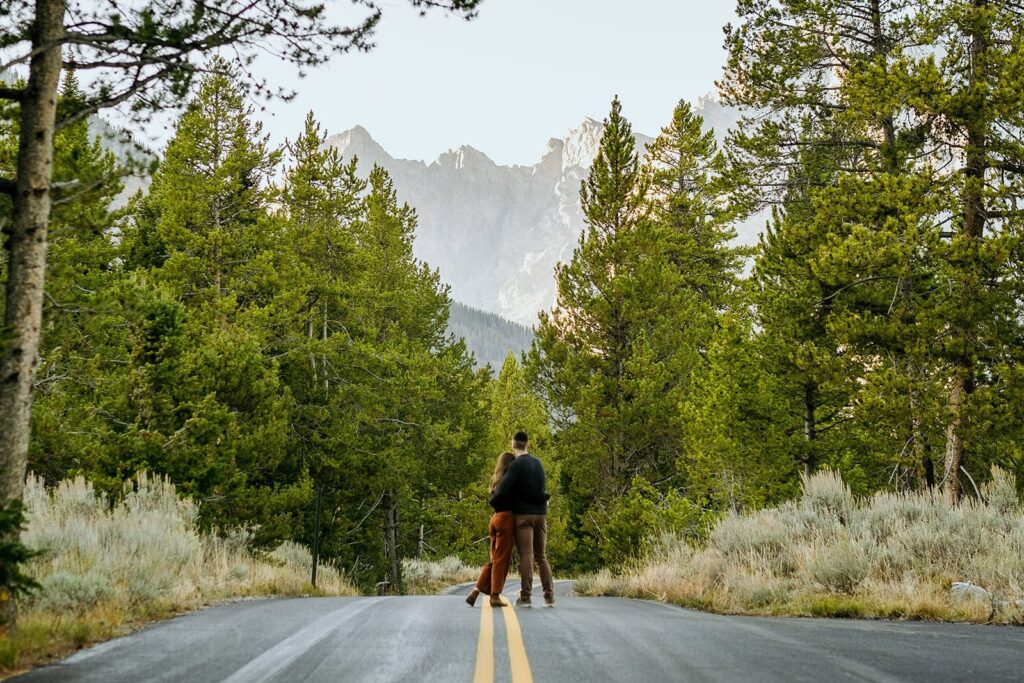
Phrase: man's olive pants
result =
(532, 540)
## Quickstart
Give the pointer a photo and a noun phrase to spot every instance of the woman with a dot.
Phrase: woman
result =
(502, 532)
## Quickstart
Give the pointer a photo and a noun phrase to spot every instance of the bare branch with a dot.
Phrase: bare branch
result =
(13, 94)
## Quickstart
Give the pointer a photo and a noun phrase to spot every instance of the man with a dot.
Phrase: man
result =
(524, 483)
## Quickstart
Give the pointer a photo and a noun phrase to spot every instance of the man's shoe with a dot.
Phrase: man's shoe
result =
(471, 598)
(496, 601)
(523, 602)
(549, 602)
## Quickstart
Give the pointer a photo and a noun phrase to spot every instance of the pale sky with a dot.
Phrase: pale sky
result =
(520, 73)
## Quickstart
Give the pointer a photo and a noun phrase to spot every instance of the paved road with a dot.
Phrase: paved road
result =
(582, 639)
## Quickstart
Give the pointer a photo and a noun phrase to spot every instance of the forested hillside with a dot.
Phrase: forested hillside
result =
(489, 337)
(273, 348)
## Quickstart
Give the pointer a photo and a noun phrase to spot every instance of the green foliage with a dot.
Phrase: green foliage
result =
(206, 405)
(13, 553)
(739, 452)
(899, 229)
(637, 307)
(261, 346)
(257, 328)
(644, 514)
(515, 407)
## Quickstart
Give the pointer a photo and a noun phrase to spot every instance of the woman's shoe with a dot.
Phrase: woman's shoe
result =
(471, 598)
(496, 601)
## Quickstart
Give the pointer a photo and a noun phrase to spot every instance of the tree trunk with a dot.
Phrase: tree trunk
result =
(316, 535)
(312, 356)
(928, 469)
(973, 230)
(323, 355)
(810, 428)
(921, 449)
(391, 544)
(26, 246)
(955, 450)
(879, 44)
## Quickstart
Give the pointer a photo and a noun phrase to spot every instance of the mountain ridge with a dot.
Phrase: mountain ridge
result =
(496, 232)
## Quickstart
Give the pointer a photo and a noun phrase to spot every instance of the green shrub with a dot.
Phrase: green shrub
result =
(13, 553)
(65, 592)
(826, 494)
(641, 516)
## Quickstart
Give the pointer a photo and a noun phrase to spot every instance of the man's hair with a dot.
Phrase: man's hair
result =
(520, 439)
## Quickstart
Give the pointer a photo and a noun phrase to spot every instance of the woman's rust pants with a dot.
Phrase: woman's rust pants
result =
(502, 532)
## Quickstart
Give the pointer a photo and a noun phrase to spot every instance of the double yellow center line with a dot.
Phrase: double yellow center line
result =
(485, 646)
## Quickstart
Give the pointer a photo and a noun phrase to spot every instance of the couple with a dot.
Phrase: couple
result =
(520, 505)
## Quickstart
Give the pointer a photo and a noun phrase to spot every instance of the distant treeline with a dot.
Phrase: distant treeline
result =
(490, 337)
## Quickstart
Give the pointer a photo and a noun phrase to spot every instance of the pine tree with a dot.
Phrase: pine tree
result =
(693, 201)
(320, 199)
(794, 308)
(81, 340)
(514, 407)
(211, 197)
(612, 359)
(417, 426)
(207, 407)
(974, 111)
(148, 60)
(741, 451)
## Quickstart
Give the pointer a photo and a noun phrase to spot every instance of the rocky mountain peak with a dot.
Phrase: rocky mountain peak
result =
(464, 157)
(497, 232)
(358, 142)
(581, 144)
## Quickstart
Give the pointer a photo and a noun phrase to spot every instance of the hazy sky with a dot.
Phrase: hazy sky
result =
(520, 73)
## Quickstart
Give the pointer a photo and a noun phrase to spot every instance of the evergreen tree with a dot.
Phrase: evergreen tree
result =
(693, 200)
(917, 137)
(81, 342)
(146, 59)
(614, 356)
(973, 108)
(514, 407)
(693, 205)
(739, 442)
(210, 199)
(207, 407)
(794, 309)
(417, 428)
(320, 199)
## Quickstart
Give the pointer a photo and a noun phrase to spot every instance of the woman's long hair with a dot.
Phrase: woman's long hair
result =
(504, 460)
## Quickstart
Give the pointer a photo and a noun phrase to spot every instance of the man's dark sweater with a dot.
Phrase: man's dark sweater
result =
(522, 487)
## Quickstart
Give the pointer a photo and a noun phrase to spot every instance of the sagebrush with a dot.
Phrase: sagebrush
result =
(830, 553)
(427, 577)
(105, 564)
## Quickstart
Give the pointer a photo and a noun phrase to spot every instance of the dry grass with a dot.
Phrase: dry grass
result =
(829, 554)
(107, 567)
(425, 577)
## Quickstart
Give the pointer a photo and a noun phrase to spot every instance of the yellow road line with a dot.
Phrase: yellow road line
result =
(516, 648)
(485, 645)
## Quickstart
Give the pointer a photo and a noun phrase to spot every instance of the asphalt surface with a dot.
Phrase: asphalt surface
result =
(438, 638)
